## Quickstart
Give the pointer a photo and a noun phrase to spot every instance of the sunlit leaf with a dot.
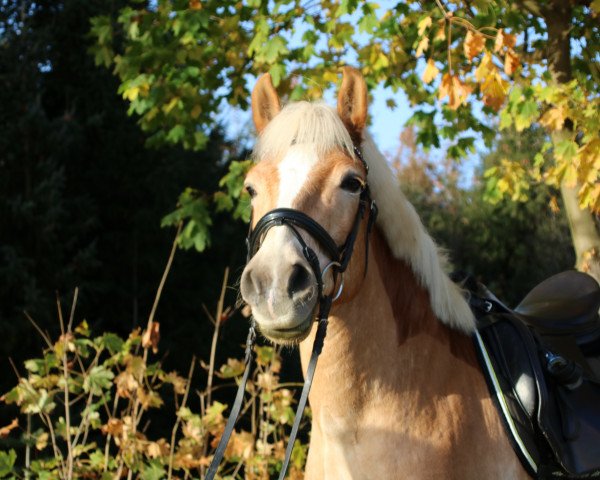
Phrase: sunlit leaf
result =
(473, 44)
(430, 72)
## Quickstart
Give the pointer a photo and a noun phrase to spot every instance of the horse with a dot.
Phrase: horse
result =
(398, 392)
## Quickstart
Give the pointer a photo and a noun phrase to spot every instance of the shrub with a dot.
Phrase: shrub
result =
(86, 402)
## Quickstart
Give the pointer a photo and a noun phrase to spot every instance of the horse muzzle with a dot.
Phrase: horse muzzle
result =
(281, 289)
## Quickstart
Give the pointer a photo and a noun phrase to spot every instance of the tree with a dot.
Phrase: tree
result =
(509, 246)
(81, 198)
(533, 62)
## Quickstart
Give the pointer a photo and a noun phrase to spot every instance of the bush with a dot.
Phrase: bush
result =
(87, 401)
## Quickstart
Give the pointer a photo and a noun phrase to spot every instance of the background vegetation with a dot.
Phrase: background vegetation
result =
(84, 191)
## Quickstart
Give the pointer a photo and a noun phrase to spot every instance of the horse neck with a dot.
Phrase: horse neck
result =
(385, 338)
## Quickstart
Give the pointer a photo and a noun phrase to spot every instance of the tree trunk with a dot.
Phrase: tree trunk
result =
(586, 237)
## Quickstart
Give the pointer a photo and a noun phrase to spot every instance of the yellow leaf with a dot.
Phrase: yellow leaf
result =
(456, 91)
(494, 91)
(473, 44)
(431, 71)
(553, 204)
(41, 441)
(423, 25)
(553, 119)
(485, 67)
(131, 93)
(329, 76)
(589, 197)
(511, 62)
(422, 46)
(503, 185)
(570, 177)
(493, 87)
(158, 449)
(171, 105)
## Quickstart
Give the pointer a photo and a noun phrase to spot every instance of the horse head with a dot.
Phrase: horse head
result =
(308, 163)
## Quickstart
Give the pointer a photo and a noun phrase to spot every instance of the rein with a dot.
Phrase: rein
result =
(340, 257)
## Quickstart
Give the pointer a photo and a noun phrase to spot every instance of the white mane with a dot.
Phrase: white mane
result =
(319, 124)
(303, 122)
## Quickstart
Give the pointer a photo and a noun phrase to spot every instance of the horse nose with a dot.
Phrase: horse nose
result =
(267, 279)
(252, 282)
(299, 280)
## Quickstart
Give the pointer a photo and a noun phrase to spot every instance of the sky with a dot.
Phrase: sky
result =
(386, 124)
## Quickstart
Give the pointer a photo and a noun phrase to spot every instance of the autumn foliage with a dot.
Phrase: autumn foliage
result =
(87, 406)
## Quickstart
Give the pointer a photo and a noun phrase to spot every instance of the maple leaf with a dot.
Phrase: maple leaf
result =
(494, 89)
(456, 91)
(486, 66)
(511, 62)
(473, 44)
(553, 119)
(431, 71)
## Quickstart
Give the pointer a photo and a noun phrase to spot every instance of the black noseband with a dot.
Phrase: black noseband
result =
(294, 219)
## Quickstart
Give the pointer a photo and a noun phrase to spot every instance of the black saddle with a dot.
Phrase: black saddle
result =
(542, 363)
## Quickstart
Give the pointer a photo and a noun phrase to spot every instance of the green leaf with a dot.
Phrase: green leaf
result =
(274, 49)
(7, 462)
(527, 112)
(176, 134)
(264, 355)
(506, 119)
(368, 23)
(99, 379)
(112, 342)
(153, 471)
(565, 150)
(277, 72)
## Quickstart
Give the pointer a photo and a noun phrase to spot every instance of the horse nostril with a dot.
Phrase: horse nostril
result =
(251, 284)
(299, 280)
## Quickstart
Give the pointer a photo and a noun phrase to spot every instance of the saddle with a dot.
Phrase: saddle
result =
(542, 365)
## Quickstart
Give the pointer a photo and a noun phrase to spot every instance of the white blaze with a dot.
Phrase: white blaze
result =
(293, 172)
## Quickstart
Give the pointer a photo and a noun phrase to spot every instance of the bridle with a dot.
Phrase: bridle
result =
(339, 257)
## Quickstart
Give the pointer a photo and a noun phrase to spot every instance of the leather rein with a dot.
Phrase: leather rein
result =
(340, 257)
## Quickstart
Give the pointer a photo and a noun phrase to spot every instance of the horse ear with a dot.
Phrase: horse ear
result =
(352, 101)
(265, 102)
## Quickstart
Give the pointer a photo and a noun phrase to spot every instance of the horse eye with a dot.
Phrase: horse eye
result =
(352, 184)
(250, 190)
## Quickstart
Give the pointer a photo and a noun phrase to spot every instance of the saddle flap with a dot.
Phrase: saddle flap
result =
(553, 422)
(564, 303)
